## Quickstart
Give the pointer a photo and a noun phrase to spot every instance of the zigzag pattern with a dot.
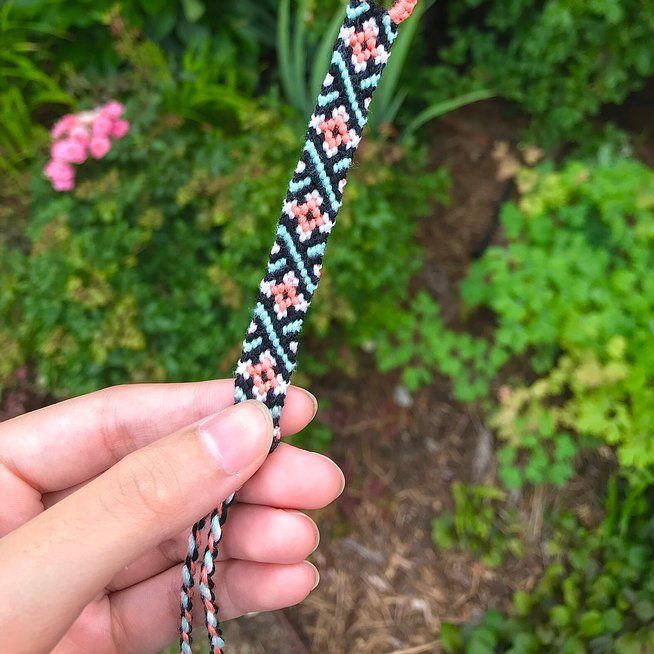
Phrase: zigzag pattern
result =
(308, 215)
(311, 205)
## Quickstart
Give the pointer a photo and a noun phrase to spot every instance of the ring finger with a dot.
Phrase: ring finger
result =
(256, 533)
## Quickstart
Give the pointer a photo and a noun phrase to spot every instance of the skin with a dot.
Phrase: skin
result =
(98, 494)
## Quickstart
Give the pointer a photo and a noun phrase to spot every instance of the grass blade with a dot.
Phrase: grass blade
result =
(384, 97)
(322, 61)
(441, 108)
(299, 58)
(284, 47)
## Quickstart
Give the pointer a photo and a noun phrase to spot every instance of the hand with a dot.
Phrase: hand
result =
(98, 494)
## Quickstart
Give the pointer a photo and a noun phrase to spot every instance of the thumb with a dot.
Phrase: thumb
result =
(149, 496)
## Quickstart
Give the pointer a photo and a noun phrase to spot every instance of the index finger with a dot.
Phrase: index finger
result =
(67, 443)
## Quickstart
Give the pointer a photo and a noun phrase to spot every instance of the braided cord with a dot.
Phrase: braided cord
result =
(308, 215)
(188, 576)
(216, 521)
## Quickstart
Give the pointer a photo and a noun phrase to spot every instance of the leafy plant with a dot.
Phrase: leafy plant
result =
(480, 524)
(147, 270)
(570, 291)
(18, 134)
(558, 61)
(295, 39)
(24, 88)
(580, 396)
(202, 82)
(90, 27)
(595, 595)
(421, 343)
(301, 86)
(205, 86)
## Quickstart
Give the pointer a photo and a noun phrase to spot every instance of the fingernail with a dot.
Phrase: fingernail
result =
(238, 436)
(340, 472)
(316, 574)
(312, 399)
(314, 526)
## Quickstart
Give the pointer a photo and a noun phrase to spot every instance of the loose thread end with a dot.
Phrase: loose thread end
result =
(401, 10)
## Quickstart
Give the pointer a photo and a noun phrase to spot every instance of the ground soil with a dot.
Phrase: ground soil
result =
(384, 588)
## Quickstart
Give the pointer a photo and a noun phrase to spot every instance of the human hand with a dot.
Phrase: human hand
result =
(99, 492)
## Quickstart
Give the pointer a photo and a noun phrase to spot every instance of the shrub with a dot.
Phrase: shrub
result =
(24, 87)
(595, 595)
(559, 61)
(89, 30)
(204, 61)
(149, 268)
(573, 292)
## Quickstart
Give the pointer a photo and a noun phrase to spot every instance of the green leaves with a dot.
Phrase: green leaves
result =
(479, 524)
(148, 269)
(590, 623)
(593, 596)
(594, 271)
(544, 57)
(422, 343)
(300, 85)
(24, 88)
(570, 291)
(193, 9)
(450, 637)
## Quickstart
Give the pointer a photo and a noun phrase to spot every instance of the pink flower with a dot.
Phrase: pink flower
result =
(76, 136)
(63, 126)
(61, 174)
(63, 184)
(113, 110)
(80, 133)
(69, 150)
(59, 170)
(101, 125)
(99, 146)
(119, 129)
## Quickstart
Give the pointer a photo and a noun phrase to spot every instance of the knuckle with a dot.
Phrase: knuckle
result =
(173, 549)
(115, 435)
(147, 485)
(106, 397)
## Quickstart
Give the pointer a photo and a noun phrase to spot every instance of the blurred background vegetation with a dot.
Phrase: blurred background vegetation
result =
(541, 332)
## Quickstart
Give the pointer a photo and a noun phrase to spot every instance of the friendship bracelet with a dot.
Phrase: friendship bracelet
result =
(309, 212)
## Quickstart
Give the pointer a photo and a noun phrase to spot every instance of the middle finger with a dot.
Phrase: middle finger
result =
(256, 533)
(292, 478)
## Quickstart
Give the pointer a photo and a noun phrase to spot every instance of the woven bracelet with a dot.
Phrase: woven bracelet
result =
(308, 214)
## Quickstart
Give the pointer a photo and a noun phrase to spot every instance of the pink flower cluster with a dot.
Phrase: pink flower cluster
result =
(75, 137)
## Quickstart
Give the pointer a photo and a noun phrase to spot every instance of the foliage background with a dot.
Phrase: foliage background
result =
(147, 270)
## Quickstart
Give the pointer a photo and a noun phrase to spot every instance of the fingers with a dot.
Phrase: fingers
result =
(290, 479)
(67, 443)
(241, 587)
(294, 479)
(254, 533)
(20, 502)
(73, 549)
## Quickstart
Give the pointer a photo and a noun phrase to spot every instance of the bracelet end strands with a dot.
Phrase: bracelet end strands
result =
(401, 10)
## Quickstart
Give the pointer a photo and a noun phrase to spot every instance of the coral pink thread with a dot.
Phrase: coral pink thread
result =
(335, 129)
(263, 374)
(401, 10)
(309, 211)
(310, 216)
(364, 44)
